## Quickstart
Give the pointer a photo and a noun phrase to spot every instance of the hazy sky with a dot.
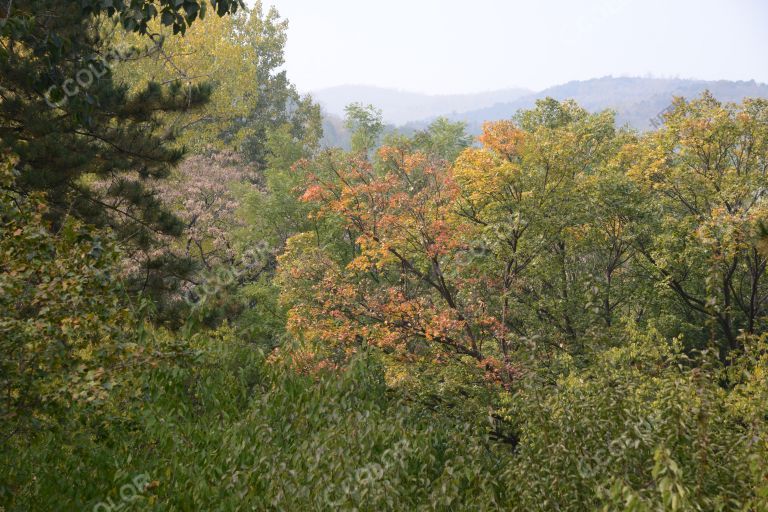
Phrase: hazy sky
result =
(452, 46)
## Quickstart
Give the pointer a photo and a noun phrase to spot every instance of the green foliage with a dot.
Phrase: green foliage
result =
(443, 138)
(214, 425)
(259, 437)
(87, 140)
(645, 427)
(275, 213)
(560, 229)
(366, 126)
(135, 15)
(64, 320)
(701, 178)
(570, 317)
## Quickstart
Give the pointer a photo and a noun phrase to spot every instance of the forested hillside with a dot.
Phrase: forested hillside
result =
(637, 101)
(204, 307)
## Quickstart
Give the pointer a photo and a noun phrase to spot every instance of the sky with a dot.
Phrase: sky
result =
(465, 46)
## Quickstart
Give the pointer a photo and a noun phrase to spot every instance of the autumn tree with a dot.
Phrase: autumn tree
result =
(558, 236)
(396, 274)
(542, 196)
(242, 56)
(703, 175)
(475, 259)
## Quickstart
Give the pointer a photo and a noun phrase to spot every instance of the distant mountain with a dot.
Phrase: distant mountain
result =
(636, 101)
(400, 107)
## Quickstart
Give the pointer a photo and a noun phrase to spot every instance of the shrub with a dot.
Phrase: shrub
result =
(644, 428)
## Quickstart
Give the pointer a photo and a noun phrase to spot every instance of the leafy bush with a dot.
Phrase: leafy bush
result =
(217, 428)
(63, 319)
(224, 431)
(643, 428)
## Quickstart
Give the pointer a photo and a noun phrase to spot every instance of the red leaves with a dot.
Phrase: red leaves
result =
(403, 282)
(312, 193)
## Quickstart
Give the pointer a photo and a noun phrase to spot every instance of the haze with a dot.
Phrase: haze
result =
(455, 46)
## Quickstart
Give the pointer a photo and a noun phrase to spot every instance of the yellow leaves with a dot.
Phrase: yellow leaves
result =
(647, 163)
(299, 242)
(503, 137)
(373, 254)
(377, 258)
(362, 263)
(240, 54)
(472, 163)
(481, 174)
(413, 161)
(390, 154)
(207, 48)
(724, 234)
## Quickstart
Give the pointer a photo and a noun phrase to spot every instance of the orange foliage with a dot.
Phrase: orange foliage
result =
(502, 137)
(406, 280)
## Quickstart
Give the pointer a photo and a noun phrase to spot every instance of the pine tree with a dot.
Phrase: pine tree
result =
(81, 137)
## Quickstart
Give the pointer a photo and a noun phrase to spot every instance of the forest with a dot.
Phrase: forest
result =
(203, 307)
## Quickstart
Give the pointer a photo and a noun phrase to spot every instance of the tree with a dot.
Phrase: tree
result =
(366, 126)
(79, 134)
(204, 193)
(704, 174)
(443, 138)
(395, 274)
(538, 239)
(242, 56)
(535, 191)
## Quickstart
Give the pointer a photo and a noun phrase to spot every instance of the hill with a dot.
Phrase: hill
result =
(400, 107)
(637, 101)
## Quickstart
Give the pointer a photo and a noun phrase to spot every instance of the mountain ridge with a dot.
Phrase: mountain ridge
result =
(637, 101)
(401, 106)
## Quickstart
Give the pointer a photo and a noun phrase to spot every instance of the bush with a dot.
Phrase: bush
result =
(643, 428)
(63, 320)
(223, 430)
